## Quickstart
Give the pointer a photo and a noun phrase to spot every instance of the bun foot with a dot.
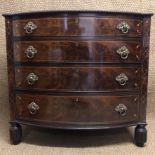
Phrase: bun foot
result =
(15, 133)
(140, 135)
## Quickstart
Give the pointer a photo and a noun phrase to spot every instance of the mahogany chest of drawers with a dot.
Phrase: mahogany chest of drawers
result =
(78, 70)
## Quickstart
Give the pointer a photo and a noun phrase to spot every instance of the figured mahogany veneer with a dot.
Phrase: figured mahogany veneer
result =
(78, 51)
(78, 78)
(78, 26)
(77, 109)
(78, 70)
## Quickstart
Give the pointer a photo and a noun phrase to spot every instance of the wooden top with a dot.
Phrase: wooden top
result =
(76, 12)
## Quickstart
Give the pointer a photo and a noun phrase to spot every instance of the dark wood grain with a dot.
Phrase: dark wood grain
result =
(89, 13)
(78, 109)
(145, 63)
(78, 26)
(73, 126)
(10, 65)
(78, 78)
(140, 136)
(78, 51)
(77, 65)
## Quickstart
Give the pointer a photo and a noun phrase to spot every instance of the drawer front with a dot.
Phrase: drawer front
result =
(78, 109)
(78, 26)
(78, 78)
(78, 51)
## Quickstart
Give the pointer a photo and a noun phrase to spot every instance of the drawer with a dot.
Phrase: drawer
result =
(78, 78)
(78, 51)
(78, 26)
(77, 109)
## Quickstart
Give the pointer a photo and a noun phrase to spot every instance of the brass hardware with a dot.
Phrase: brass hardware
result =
(137, 46)
(123, 27)
(122, 79)
(17, 46)
(19, 97)
(135, 115)
(123, 52)
(33, 108)
(30, 52)
(77, 99)
(137, 57)
(31, 78)
(136, 71)
(121, 109)
(136, 84)
(29, 27)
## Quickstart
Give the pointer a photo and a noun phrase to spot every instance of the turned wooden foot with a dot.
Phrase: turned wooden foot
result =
(140, 135)
(15, 133)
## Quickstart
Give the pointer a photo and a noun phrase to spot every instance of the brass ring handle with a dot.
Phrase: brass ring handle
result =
(33, 108)
(123, 27)
(122, 79)
(121, 109)
(29, 27)
(123, 52)
(30, 52)
(31, 78)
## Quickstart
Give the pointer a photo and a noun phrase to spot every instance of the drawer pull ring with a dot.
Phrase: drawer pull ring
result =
(122, 79)
(121, 109)
(123, 27)
(29, 27)
(123, 52)
(33, 108)
(32, 78)
(30, 52)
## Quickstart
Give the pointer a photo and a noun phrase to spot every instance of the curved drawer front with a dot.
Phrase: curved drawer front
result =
(78, 26)
(78, 78)
(77, 109)
(78, 51)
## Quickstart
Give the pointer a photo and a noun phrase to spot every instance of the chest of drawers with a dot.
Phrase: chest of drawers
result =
(78, 70)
